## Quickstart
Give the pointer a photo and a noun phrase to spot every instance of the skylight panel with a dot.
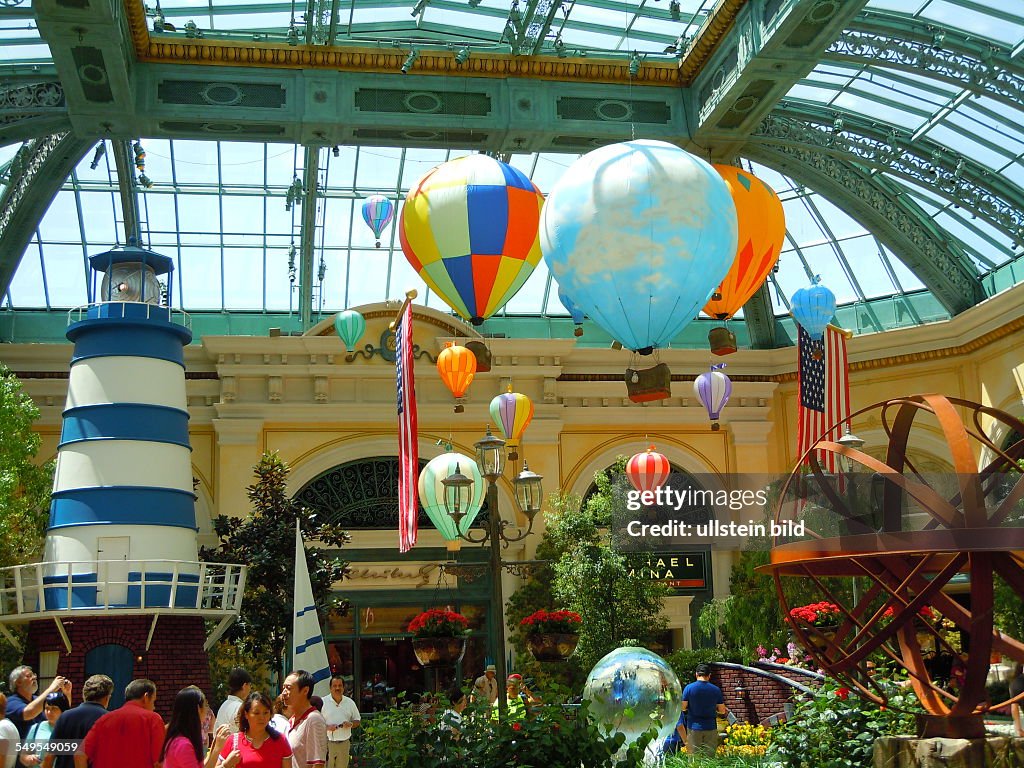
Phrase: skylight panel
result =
(200, 276)
(243, 269)
(974, 22)
(65, 274)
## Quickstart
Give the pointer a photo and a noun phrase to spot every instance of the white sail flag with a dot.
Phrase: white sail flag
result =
(308, 649)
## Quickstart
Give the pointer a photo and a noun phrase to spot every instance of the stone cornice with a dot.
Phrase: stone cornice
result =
(708, 38)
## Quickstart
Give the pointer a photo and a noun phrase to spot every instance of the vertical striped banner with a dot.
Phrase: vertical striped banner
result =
(408, 447)
(824, 387)
(308, 649)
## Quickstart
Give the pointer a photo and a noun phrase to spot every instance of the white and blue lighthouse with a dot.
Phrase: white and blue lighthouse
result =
(122, 519)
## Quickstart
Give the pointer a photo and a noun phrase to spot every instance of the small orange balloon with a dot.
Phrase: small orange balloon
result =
(761, 224)
(457, 366)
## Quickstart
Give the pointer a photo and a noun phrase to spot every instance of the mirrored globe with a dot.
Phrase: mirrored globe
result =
(633, 689)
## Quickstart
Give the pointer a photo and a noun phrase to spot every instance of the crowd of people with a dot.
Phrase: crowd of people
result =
(250, 730)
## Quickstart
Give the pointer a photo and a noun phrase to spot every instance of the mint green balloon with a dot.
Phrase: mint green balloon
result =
(432, 492)
(350, 326)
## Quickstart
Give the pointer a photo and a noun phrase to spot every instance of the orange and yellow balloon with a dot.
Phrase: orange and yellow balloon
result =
(457, 366)
(762, 230)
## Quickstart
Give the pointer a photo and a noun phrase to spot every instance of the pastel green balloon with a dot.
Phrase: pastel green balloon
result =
(431, 492)
(350, 326)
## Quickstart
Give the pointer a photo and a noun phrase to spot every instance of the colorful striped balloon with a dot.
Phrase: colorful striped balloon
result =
(457, 366)
(813, 307)
(431, 492)
(511, 412)
(713, 389)
(761, 224)
(377, 213)
(350, 327)
(469, 228)
(648, 471)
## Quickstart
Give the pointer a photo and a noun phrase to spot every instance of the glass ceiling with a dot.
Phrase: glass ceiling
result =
(219, 208)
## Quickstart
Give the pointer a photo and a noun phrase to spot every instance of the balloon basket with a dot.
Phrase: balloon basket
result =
(649, 384)
(715, 426)
(722, 341)
(577, 332)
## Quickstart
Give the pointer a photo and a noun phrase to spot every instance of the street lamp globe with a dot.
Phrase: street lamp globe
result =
(458, 494)
(848, 440)
(490, 455)
(529, 491)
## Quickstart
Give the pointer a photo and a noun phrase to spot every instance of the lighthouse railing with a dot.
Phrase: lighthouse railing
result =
(137, 310)
(120, 586)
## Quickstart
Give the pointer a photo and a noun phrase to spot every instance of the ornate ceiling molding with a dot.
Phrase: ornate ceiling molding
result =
(898, 222)
(32, 109)
(707, 40)
(940, 52)
(959, 179)
(176, 50)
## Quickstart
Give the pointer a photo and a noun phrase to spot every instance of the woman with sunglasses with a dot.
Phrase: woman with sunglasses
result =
(257, 743)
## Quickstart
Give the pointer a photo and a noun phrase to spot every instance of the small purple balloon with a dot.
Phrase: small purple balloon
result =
(713, 389)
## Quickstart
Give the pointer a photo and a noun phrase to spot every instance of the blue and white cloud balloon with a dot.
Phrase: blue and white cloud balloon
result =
(639, 234)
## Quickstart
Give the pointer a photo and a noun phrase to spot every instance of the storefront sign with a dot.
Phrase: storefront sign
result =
(678, 570)
(391, 575)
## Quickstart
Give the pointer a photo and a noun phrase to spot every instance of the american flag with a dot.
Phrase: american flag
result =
(408, 452)
(824, 390)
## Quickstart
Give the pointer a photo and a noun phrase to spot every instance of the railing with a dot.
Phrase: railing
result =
(120, 586)
(127, 309)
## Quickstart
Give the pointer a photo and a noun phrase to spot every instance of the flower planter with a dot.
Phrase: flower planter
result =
(821, 637)
(552, 646)
(439, 651)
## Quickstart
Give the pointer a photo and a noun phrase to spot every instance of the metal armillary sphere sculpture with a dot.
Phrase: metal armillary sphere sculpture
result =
(882, 557)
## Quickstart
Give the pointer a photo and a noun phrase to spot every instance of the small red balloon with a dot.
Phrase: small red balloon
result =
(647, 471)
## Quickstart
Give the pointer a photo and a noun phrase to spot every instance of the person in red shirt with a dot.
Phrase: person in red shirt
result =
(131, 736)
(257, 744)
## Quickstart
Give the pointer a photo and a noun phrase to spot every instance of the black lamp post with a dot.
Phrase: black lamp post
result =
(490, 457)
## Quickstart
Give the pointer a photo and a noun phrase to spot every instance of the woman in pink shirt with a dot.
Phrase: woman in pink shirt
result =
(257, 744)
(183, 745)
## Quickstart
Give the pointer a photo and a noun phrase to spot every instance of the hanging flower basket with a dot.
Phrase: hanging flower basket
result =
(439, 637)
(823, 617)
(552, 635)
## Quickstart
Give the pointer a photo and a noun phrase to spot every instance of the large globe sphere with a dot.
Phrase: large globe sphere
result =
(633, 689)
(639, 234)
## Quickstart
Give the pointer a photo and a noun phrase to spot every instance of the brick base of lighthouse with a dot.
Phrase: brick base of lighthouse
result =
(175, 657)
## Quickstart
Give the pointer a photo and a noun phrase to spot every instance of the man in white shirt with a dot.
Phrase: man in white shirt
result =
(342, 715)
(307, 732)
(239, 686)
(485, 687)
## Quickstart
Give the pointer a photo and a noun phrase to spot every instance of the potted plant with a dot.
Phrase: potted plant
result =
(439, 637)
(824, 617)
(552, 635)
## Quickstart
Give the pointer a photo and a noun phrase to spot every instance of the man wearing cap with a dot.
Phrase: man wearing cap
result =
(702, 701)
(485, 687)
(519, 697)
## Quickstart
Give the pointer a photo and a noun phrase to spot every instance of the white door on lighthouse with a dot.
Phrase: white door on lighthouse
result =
(112, 556)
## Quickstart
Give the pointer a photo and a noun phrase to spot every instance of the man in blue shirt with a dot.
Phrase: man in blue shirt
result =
(23, 706)
(702, 702)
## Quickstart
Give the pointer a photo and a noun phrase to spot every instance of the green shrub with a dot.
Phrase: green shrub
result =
(837, 729)
(684, 662)
(551, 736)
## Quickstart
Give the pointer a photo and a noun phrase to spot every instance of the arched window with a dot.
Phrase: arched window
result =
(362, 494)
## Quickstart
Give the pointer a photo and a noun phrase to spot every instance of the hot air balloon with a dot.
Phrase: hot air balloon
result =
(639, 234)
(713, 389)
(761, 223)
(350, 326)
(511, 412)
(457, 366)
(813, 307)
(572, 309)
(469, 227)
(377, 213)
(431, 492)
(647, 471)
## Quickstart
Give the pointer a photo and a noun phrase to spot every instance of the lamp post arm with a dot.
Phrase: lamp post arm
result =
(506, 540)
(482, 539)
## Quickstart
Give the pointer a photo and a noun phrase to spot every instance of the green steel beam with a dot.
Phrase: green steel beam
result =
(770, 47)
(936, 258)
(44, 166)
(307, 239)
(31, 106)
(927, 163)
(936, 50)
(126, 189)
(760, 319)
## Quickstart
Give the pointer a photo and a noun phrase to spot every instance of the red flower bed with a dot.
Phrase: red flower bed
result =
(551, 622)
(817, 614)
